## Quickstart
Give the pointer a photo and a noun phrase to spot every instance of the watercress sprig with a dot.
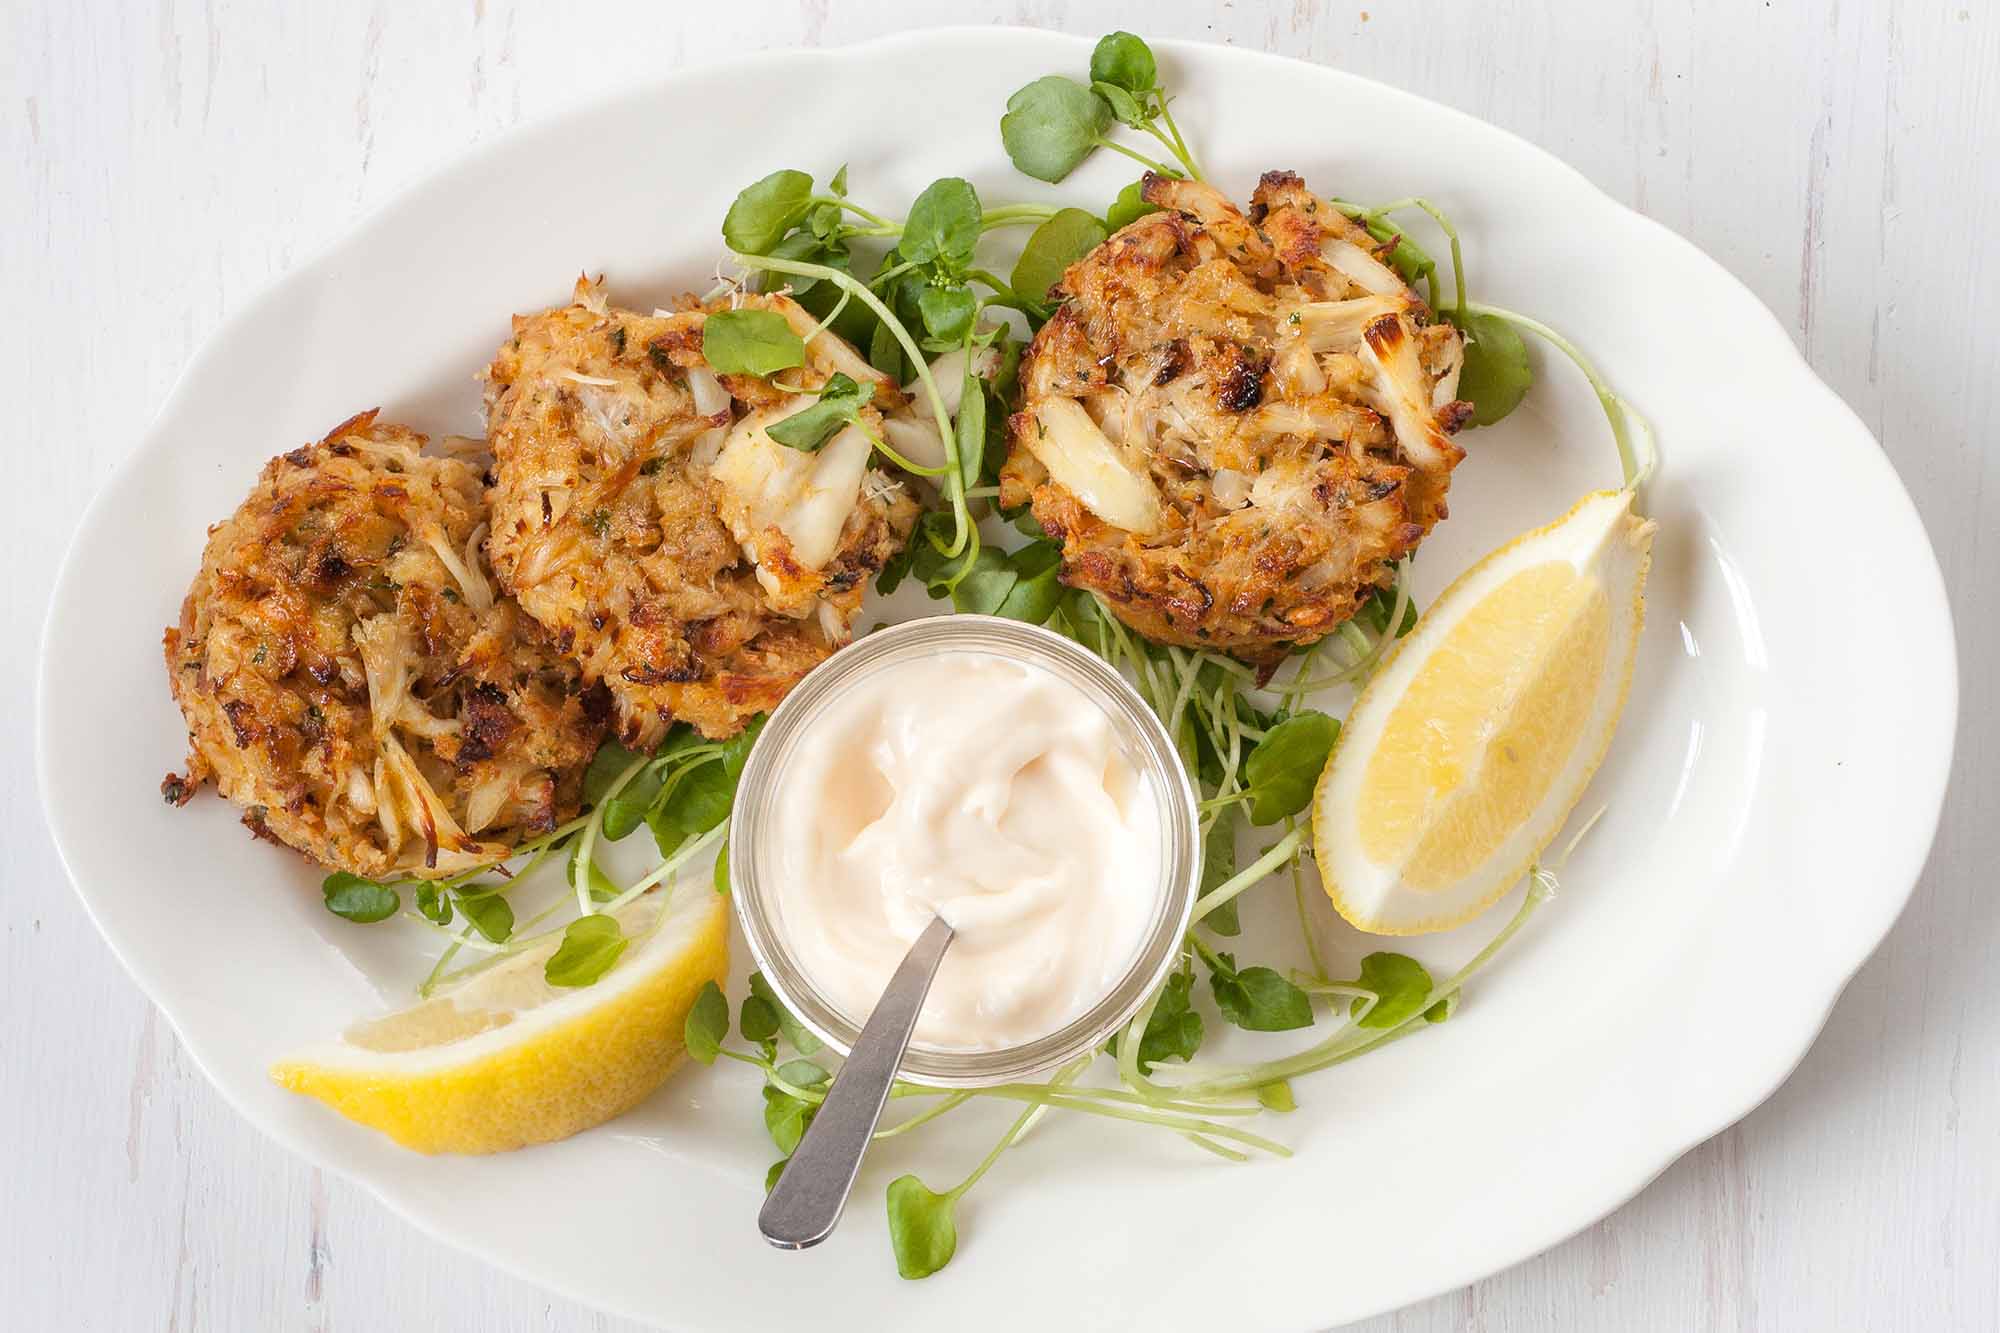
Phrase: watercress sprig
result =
(1054, 123)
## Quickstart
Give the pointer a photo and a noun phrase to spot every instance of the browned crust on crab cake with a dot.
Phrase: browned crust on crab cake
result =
(350, 676)
(1273, 406)
(612, 531)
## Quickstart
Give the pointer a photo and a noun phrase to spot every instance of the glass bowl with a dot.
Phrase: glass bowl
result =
(1147, 748)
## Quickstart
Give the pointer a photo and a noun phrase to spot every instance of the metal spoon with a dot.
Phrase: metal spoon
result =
(804, 1206)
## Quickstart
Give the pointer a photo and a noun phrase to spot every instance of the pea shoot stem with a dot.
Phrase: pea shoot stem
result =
(964, 534)
(586, 843)
(1160, 168)
(1626, 422)
(1274, 856)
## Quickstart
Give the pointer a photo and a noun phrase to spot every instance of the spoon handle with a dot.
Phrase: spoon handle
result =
(805, 1204)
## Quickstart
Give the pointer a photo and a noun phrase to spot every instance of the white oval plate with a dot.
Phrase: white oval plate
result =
(1773, 790)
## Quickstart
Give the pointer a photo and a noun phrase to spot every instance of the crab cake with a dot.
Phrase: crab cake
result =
(1235, 423)
(644, 517)
(350, 676)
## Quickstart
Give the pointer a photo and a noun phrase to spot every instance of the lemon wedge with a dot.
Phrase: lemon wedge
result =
(504, 1059)
(1469, 748)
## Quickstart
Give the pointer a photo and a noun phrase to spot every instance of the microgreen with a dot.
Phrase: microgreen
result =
(922, 1230)
(1128, 207)
(764, 212)
(627, 810)
(1282, 771)
(943, 224)
(947, 312)
(1125, 61)
(1175, 1030)
(1496, 375)
(1256, 999)
(1218, 863)
(1054, 246)
(1052, 125)
(1400, 984)
(1375, 612)
(1277, 1096)
(597, 883)
(839, 406)
(758, 1018)
(489, 914)
(798, 1034)
(750, 342)
(706, 1025)
(359, 900)
(433, 905)
(590, 945)
(1055, 122)
(610, 763)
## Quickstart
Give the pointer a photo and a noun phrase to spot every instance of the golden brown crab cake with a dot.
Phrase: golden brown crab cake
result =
(350, 675)
(642, 515)
(1234, 423)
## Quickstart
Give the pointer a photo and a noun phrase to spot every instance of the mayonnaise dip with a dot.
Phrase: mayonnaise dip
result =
(990, 792)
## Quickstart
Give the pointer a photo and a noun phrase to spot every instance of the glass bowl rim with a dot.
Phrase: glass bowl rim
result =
(1139, 725)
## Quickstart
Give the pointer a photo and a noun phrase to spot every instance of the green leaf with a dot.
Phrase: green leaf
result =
(771, 1176)
(885, 353)
(1496, 375)
(758, 1020)
(627, 810)
(602, 890)
(943, 224)
(699, 802)
(1282, 771)
(707, 1023)
(736, 750)
(1381, 604)
(1127, 208)
(921, 1227)
(606, 766)
(802, 1073)
(786, 1117)
(947, 311)
(1055, 245)
(815, 294)
(839, 406)
(798, 1034)
(1175, 1030)
(1443, 1009)
(1218, 863)
(590, 945)
(490, 915)
(970, 429)
(1051, 125)
(764, 212)
(1037, 586)
(1277, 1096)
(824, 221)
(1125, 108)
(434, 905)
(356, 899)
(750, 342)
(1020, 586)
(722, 868)
(1257, 999)
(986, 585)
(1124, 60)
(838, 185)
(1401, 986)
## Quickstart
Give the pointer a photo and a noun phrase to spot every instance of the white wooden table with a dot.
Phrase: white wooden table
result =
(161, 160)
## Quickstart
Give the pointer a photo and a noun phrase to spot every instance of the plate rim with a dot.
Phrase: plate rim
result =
(1788, 1049)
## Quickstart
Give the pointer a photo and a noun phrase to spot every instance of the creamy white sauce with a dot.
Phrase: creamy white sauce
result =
(987, 791)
